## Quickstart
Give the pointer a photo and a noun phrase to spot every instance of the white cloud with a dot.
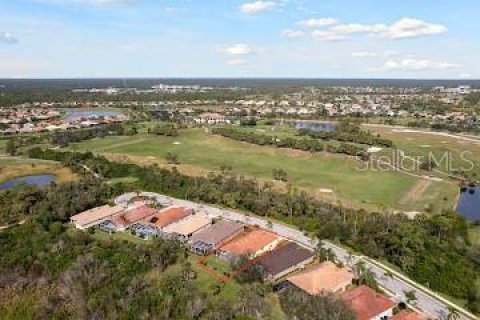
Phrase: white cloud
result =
(413, 64)
(237, 62)
(291, 34)
(6, 37)
(364, 54)
(401, 29)
(257, 7)
(327, 36)
(411, 28)
(239, 49)
(358, 28)
(320, 22)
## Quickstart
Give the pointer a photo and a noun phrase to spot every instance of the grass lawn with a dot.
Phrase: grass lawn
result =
(125, 180)
(421, 144)
(218, 265)
(200, 151)
(3, 145)
(474, 235)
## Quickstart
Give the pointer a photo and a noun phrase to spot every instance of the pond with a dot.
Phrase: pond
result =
(314, 126)
(36, 180)
(74, 115)
(469, 204)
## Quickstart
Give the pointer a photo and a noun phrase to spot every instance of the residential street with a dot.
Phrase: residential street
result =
(428, 302)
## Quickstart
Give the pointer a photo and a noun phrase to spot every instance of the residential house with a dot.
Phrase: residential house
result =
(326, 277)
(368, 304)
(95, 216)
(252, 243)
(186, 227)
(213, 236)
(284, 260)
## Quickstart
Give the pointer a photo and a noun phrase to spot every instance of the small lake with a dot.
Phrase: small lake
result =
(37, 180)
(314, 126)
(469, 204)
(89, 114)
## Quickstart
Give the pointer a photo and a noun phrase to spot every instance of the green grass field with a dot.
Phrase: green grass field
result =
(474, 235)
(421, 144)
(312, 172)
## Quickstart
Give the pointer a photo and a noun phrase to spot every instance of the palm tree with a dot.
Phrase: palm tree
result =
(453, 314)
(410, 296)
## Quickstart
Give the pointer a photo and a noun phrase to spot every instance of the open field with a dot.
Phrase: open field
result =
(474, 235)
(422, 143)
(201, 152)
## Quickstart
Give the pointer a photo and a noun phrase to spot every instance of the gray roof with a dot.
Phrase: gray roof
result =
(284, 258)
(217, 232)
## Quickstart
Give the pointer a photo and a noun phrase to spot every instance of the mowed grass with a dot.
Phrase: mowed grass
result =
(421, 144)
(311, 172)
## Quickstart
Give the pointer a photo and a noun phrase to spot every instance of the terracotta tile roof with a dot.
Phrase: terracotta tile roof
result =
(407, 315)
(366, 303)
(119, 221)
(169, 215)
(139, 213)
(250, 242)
(218, 232)
(95, 215)
(326, 277)
(284, 257)
(189, 225)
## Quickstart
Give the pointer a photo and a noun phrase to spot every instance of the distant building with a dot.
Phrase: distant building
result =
(211, 118)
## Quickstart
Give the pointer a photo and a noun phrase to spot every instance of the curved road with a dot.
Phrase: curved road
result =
(397, 284)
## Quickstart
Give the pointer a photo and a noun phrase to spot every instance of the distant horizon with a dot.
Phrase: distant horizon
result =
(238, 78)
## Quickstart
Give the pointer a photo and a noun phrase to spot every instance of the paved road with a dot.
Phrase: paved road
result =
(426, 302)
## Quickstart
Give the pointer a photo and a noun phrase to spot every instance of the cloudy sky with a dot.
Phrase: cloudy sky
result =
(240, 38)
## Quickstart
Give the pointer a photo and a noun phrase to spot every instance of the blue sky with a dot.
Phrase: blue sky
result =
(240, 38)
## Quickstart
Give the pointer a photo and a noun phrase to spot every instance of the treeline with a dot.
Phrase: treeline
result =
(432, 250)
(449, 127)
(56, 202)
(353, 136)
(56, 272)
(64, 138)
(311, 145)
(164, 129)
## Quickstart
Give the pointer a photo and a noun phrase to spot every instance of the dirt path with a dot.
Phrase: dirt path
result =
(416, 192)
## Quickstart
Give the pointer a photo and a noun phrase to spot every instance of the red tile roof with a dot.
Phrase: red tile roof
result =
(324, 277)
(407, 315)
(169, 215)
(366, 303)
(139, 213)
(250, 242)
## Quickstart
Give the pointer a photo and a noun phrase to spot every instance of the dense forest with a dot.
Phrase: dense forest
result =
(312, 145)
(49, 270)
(433, 250)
